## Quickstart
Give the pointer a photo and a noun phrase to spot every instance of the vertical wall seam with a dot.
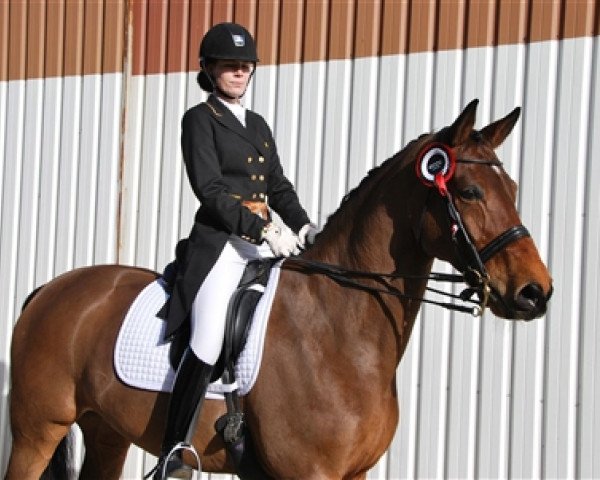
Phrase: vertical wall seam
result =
(586, 269)
(126, 79)
(587, 92)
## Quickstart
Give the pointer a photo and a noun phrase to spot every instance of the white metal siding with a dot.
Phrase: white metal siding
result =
(478, 398)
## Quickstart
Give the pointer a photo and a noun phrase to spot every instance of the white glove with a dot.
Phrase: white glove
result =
(307, 235)
(283, 242)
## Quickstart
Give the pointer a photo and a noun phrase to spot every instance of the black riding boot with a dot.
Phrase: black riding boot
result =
(191, 382)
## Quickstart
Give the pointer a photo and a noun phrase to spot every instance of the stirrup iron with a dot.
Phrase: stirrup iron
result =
(162, 465)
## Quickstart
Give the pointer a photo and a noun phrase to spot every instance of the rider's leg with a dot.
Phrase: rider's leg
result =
(209, 311)
(208, 317)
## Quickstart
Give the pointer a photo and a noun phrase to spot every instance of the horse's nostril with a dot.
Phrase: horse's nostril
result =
(531, 297)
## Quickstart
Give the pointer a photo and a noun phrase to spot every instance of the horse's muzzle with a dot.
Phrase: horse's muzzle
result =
(531, 301)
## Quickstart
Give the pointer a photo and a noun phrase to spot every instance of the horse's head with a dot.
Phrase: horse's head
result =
(471, 221)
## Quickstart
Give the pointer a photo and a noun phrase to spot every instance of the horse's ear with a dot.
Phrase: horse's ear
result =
(497, 131)
(462, 127)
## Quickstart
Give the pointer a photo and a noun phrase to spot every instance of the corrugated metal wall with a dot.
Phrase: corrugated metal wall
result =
(91, 95)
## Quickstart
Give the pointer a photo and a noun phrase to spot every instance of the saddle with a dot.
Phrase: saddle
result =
(239, 315)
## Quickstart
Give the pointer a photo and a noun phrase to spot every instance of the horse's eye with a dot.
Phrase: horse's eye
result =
(471, 193)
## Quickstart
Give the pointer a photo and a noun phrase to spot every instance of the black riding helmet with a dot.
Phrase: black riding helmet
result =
(224, 41)
(228, 41)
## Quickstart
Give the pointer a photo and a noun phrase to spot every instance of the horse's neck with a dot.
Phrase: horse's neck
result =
(375, 231)
(367, 238)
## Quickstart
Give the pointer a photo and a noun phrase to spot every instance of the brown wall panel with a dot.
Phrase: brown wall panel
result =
(245, 14)
(267, 32)
(55, 38)
(421, 27)
(177, 36)
(578, 19)
(71, 37)
(17, 40)
(73, 48)
(222, 11)
(137, 20)
(480, 23)
(512, 22)
(4, 21)
(394, 37)
(36, 25)
(199, 23)
(156, 45)
(290, 41)
(113, 51)
(450, 25)
(341, 30)
(92, 37)
(368, 18)
(316, 24)
(545, 20)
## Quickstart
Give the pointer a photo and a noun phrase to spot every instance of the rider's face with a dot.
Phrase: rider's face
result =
(232, 77)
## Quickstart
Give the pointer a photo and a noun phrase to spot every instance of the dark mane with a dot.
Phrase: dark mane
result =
(398, 160)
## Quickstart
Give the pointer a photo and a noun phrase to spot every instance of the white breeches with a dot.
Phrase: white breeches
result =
(210, 305)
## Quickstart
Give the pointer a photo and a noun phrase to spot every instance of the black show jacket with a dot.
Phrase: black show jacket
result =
(226, 164)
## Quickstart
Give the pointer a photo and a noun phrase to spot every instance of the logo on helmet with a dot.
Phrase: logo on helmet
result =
(238, 40)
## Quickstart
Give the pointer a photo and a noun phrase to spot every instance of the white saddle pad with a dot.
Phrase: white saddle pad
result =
(142, 357)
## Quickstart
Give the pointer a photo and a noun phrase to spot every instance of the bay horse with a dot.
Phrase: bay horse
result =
(324, 405)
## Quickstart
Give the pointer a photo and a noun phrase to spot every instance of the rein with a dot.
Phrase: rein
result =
(349, 278)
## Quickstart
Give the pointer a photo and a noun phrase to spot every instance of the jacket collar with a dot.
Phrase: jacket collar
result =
(226, 118)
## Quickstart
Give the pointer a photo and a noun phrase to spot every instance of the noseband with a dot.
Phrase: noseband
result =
(435, 173)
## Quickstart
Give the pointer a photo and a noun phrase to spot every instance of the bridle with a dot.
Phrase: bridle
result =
(435, 166)
(472, 261)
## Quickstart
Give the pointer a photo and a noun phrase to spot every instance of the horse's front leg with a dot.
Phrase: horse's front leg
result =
(105, 449)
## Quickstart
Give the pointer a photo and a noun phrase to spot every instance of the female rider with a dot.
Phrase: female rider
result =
(233, 168)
